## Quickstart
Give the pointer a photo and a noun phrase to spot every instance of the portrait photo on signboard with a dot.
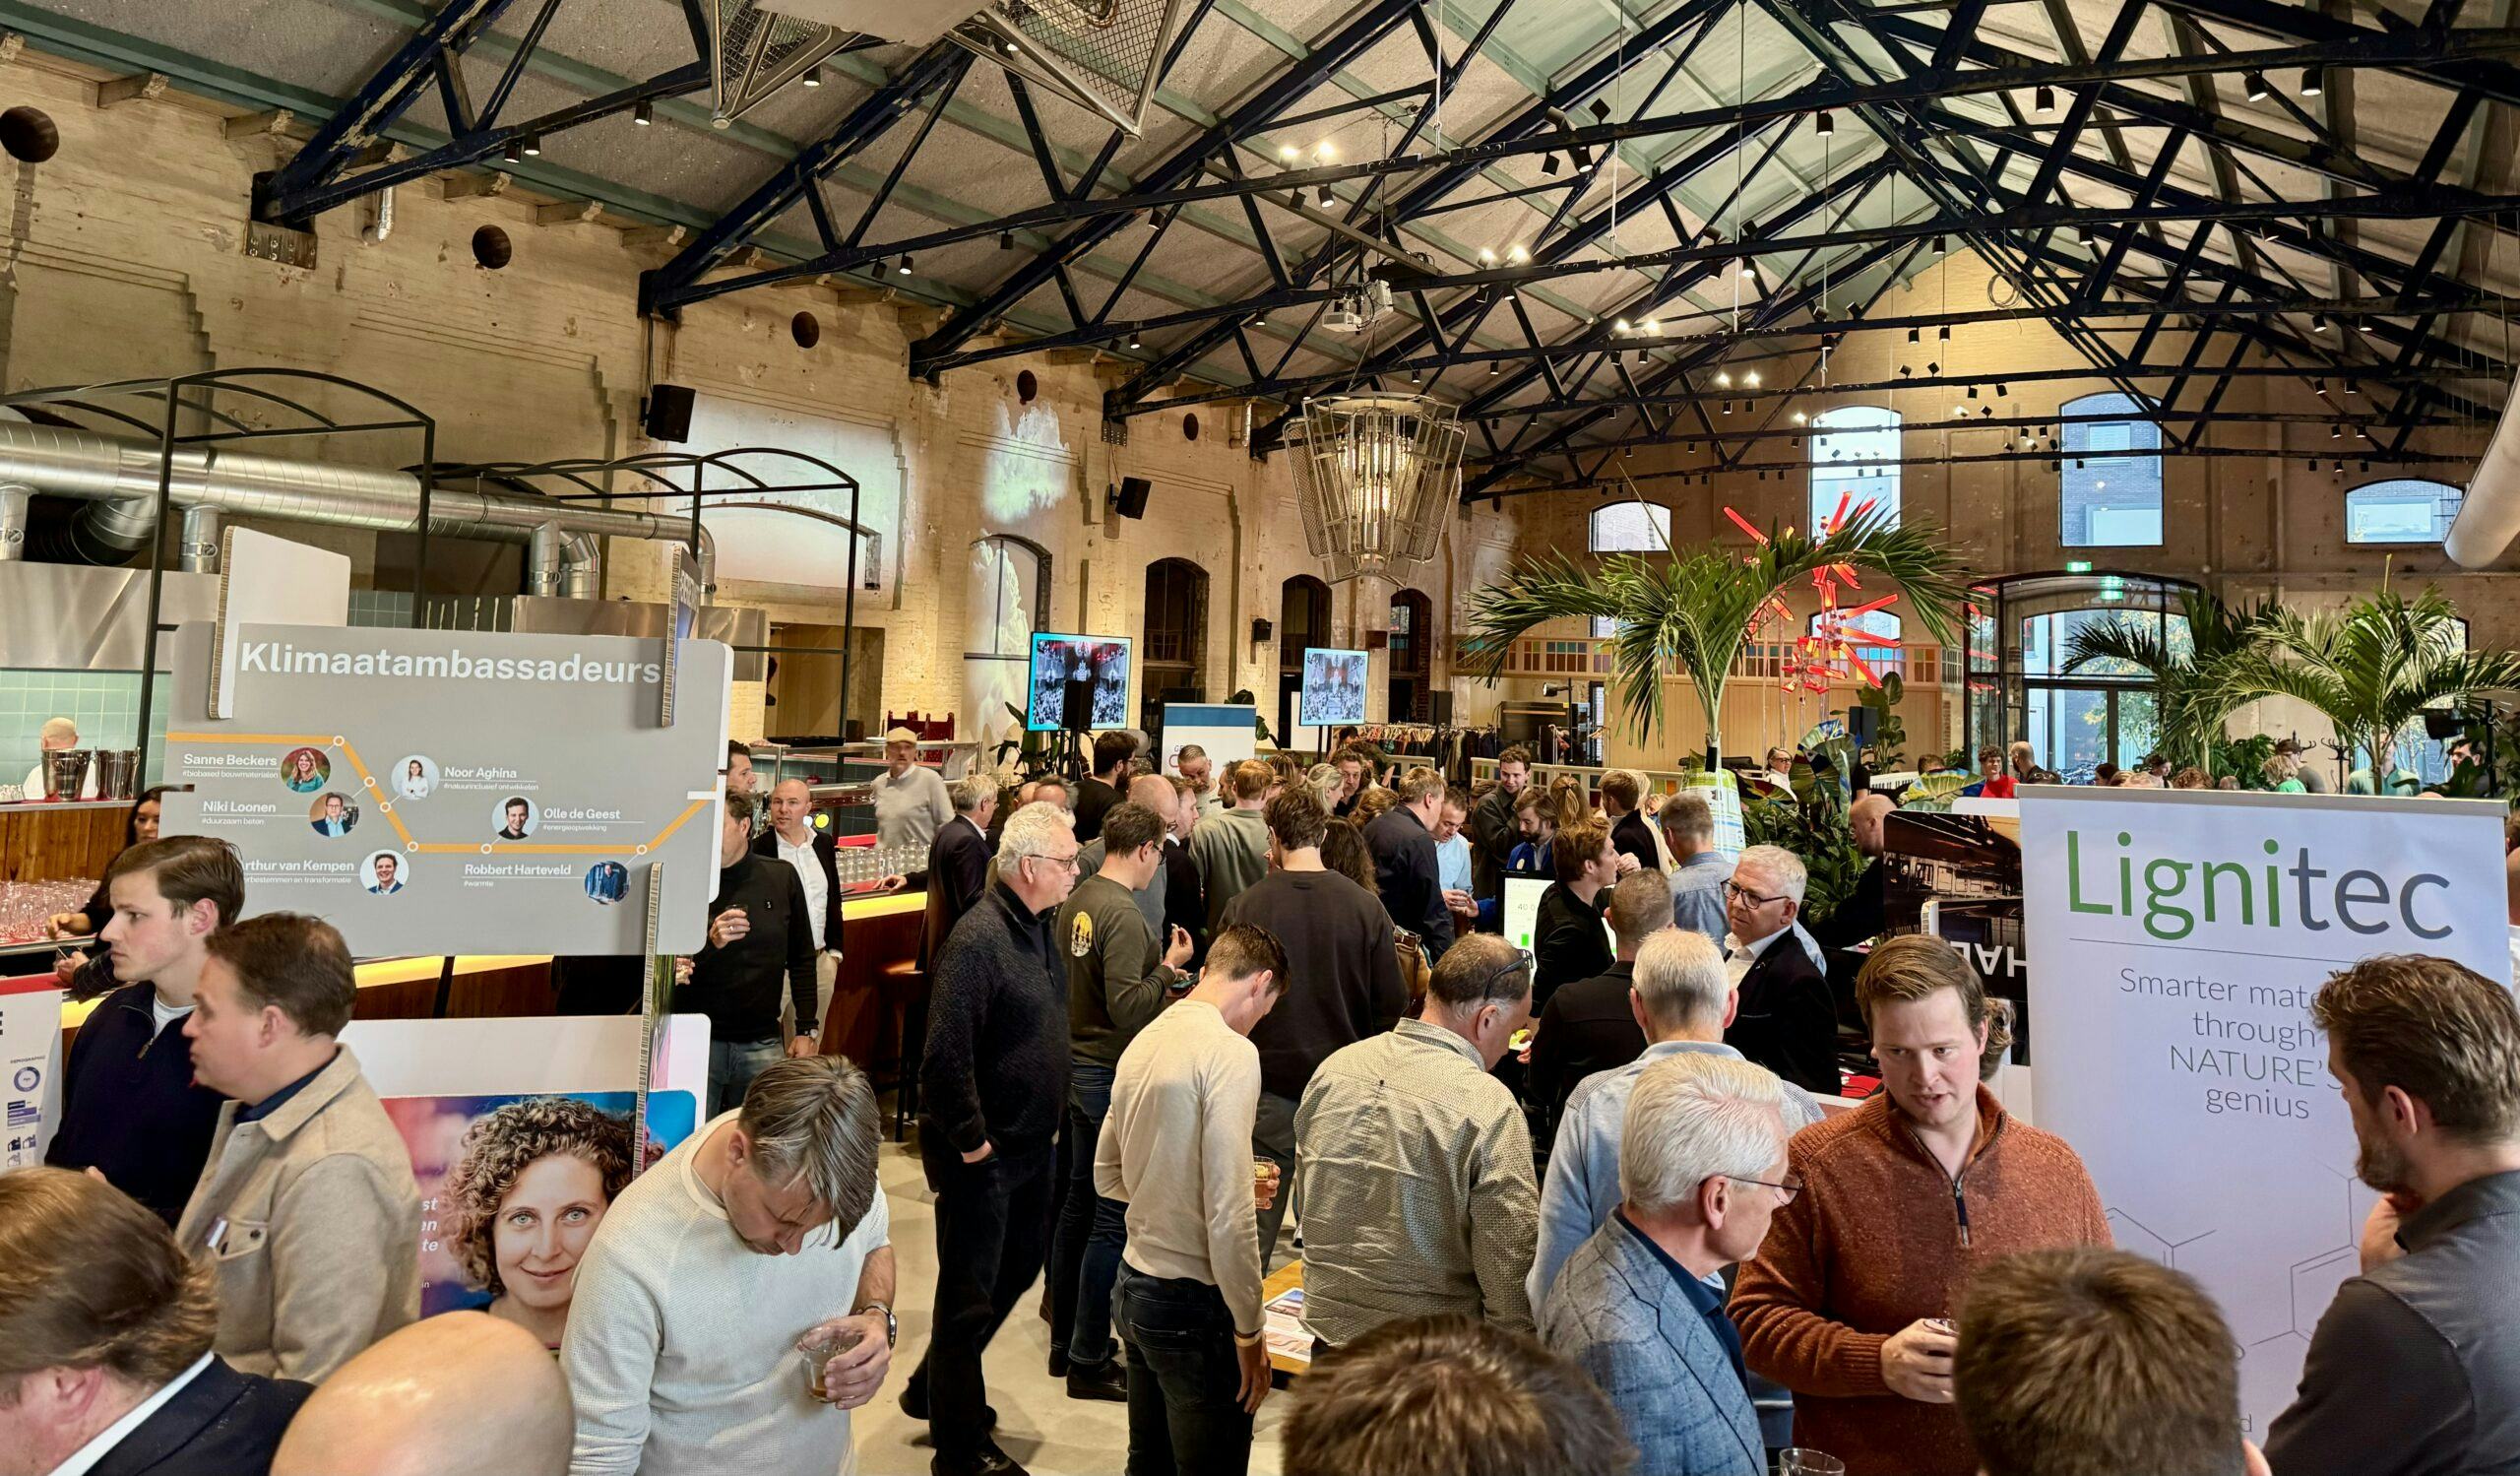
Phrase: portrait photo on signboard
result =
(513, 1187)
(416, 777)
(1333, 687)
(516, 817)
(384, 872)
(607, 882)
(305, 770)
(332, 815)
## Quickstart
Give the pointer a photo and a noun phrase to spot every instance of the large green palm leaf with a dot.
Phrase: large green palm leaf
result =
(2186, 678)
(1697, 611)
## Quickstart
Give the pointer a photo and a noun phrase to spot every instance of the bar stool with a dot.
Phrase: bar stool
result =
(905, 996)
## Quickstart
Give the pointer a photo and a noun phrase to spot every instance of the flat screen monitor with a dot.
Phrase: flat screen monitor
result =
(1078, 681)
(1333, 687)
(1522, 908)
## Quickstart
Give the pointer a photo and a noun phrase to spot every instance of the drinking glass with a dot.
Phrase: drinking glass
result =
(821, 1344)
(1801, 1462)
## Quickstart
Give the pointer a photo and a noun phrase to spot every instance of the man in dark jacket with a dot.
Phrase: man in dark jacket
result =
(1101, 789)
(100, 1317)
(1788, 1021)
(759, 928)
(130, 1110)
(1591, 1025)
(1867, 908)
(1630, 836)
(1568, 938)
(994, 1086)
(957, 867)
(1405, 872)
(1493, 833)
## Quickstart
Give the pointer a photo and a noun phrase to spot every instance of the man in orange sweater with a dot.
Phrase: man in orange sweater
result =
(1849, 1300)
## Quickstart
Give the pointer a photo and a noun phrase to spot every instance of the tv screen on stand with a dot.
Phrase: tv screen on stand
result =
(1078, 682)
(1333, 687)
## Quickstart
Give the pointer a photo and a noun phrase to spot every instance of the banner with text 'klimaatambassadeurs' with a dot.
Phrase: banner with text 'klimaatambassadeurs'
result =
(2177, 938)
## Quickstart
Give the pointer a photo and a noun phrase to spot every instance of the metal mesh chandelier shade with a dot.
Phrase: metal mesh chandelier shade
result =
(1374, 475)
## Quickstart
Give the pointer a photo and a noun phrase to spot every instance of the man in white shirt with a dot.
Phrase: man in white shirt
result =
(105, 1366)
(765, 1226)
(1177, 1149)
(58, 734)
(794, 840)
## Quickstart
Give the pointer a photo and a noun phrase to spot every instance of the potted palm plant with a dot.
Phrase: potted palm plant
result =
(1696, 610)
(2190, 699)
(2370, 671)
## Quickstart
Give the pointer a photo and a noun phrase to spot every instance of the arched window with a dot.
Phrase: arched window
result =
(1631, 528)
(1010, 595)
(1854, 460)
(2401, 510)
(1176, 631)
(2110, 487)
(1304, 619)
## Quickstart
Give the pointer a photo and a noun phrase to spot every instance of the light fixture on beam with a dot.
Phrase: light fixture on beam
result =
(2312, 84)
(1752, 379)
(532, 146)
(813, 75)
(1825, 124)
(1549, 165)
(1133, 340)
(645, 114)
(2318, 322)
(1492, 369)
(2043, 100)
(2254, 85)
(1943, 334)
(1006, 240)
(1913, 336)
(514, 152)
(904, 268)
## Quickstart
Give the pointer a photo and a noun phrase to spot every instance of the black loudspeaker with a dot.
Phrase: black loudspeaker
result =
(667, 417)
(1262, 628)
(1439, 709)
(1130, 500)
(1859, 724)
(2443, 725)
(1076, 705)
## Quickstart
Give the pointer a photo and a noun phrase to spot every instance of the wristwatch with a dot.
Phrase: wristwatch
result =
(892, 1324)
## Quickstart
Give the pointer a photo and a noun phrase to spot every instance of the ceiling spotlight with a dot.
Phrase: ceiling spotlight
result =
(1960, 410)
(2084, 233)
(1550, 165)
(645, 114)
(1798, 418)
(1937, 246)
(1010, 45)
(2254, 83)
(1006, 240)
(2320, 386)
(1133, 340)
(1325, 197)
(1943, 333)
(904, 268)
(2043, 100)
(1987, 411)
(2318, 322)
(1492, 371)
(2311, 85)
(1723, 378)
(1509, 293)
(2361, 324)
(1412, 374)
(1750, 269)
(2000, 391)
(514, 152)
(1933, 368)
(1325, 152)
(2336, 432)
(1728, 407)
(1487, 257)
(1653, 328)
(532, 146)
(1752, 379)
(1973, 392)
(1904, 371)
(1619, 327)
(1518, 254)
(1600, 110)
(1913, 336)
(1825, 125)
(813, 75)
(1287, 153)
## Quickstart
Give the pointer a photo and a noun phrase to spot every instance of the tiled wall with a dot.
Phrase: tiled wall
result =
(104, 704)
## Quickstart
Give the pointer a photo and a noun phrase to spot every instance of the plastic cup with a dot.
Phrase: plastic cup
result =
(1801, 1462)
(819, 1346)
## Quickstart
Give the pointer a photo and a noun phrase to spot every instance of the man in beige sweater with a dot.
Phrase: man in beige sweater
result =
(1177, 1149)
(307, 1210)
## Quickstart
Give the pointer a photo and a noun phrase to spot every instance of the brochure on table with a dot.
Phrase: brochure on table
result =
(445, 791)
(2179, 937)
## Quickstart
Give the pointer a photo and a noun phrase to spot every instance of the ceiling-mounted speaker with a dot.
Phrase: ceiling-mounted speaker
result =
(1130, 500)
(666, 414)
(1103, 55)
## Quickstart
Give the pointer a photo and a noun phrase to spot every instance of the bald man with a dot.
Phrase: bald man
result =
(1864, 912)
(1154, 792)
(460, 1394)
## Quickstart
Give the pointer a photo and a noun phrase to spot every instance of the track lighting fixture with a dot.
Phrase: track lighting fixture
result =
(2000, 391)
(1933, 368)
(1973, 392)
(2084, 233)
(903, 269)
(813, 75)
(1913, 336)
(1325, 197)
(1943, 334)
(645, 114)
(532, 146)
(1006, 240)
(1825, 124)
(1752, 379)
(1799, 418)
(1549, 165)
(1133, 339)
(514, 152)
(1723, 378)
(2311, 82)
(1287, 153)
(2318, 322)
(1600, 110)
(2043, 100)
(1492, 371)
(2362, 324)
(1010, 45)
(1937, 246)
(2254, 83)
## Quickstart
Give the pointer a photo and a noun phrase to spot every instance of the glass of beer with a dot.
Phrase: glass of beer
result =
(822, 1343)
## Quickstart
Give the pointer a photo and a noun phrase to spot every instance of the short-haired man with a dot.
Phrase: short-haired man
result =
(1355, 768)
(993, 1085)
(1151, 793)
(1640, 1305)
(1699, 871)
(1053, 790)
(1342, 977)
(130, 1107)
(336, 818)
(1589, 1025)
(1176, 1151)
(1865, 911)
(463, 1393)
(1451, 1396)
(762, 1226)
(106, 1331)
(1788, 1020)
(2098, 1363)
(1118, 977)
(1845, 1304)
(1622, 797)
(1101, 791)
(1198, 771)
(1231, 846)
(1405, 872)
(1568, 936)
(760, 929)
(1185, 904)
(1453, 866)
(1683, 999)
(1493, 831)
(518, 811)
(1416, 1163)
(957, 867)
(2416, 1365)
(387, 869)
(815, 858)
(739, 771)
(307, 1210)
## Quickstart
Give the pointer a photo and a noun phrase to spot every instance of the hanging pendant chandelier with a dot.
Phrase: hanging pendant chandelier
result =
(1374, 477)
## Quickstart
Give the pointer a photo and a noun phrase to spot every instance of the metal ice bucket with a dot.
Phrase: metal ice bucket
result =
(117, 772)
(65, 772)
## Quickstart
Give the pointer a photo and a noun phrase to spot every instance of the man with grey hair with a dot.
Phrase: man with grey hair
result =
(1698, 868)
(993, 1086)
(1787, 1021)
(957, 866)
(1415, 1162)
(764, 1228)
(1684, 1000)
(1640, 1306)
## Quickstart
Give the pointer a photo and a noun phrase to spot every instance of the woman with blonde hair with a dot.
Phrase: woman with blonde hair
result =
(534, 1181)
(2283, 773)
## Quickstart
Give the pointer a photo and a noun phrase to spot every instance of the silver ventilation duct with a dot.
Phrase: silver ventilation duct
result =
(118, 478)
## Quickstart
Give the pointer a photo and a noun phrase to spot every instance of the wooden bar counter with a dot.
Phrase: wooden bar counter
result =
(54, 840)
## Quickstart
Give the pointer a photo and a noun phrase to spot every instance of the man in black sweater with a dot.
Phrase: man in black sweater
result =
(1102, 788)
(1866, 910)
(1342, 975)
(1493, 831)
(1567, 935)
(1630, 836)
(1405, 872)
(129, 1108)
(994, 1084)
(1591, 1025)
(758, 928)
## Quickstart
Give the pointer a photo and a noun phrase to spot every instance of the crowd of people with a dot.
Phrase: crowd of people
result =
(1591, 1207)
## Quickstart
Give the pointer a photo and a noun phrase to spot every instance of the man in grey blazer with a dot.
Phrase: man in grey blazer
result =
(1640, 1306)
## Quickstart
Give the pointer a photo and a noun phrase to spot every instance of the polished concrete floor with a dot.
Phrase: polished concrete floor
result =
(1037, 1423)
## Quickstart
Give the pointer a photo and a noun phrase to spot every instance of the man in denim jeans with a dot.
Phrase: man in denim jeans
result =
(1177, 1149)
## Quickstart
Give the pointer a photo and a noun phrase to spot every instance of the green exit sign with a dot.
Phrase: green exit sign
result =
(2078, 566)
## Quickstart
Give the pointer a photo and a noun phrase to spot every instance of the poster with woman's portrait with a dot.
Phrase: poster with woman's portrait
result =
(512, 1191)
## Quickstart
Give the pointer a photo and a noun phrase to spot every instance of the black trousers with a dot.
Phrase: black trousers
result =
(992, 1231)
